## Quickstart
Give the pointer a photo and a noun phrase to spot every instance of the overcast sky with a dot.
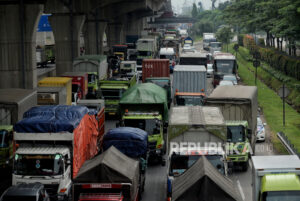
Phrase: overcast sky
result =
(177, 4)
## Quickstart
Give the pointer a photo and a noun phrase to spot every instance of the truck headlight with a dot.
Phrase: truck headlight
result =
(158, 151)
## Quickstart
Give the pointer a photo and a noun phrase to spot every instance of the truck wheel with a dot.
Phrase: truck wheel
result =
(245, 166)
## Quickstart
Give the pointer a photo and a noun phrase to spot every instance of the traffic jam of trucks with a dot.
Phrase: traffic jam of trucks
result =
(165, 101)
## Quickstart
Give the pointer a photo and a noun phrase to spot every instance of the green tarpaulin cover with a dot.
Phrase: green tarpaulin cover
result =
(146, 94)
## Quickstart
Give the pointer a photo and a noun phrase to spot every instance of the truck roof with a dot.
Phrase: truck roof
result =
(15, 96)
(193, 55)
(193, 68)
(42, 150)
(167, 51)
(196, 115)
(281, 182)
(235, 92)
(223, 56)
(279, 162)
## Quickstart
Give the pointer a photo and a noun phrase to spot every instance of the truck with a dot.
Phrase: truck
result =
(194, 58)
(223, 63)
(52, 96)
(215, 47)
(145, 106)
(239, 108)
(129, 68)
(172, 43)
(155, 68)
(207, 38)
(113, 89)
(6, 146)
(79, 82)
(195, 131)
(109, 176)
(276, 178)
(170, 54)
(146, 49)
(62, 82)
(133, 142)
(120, 51)
(189, 85)
(188, 40)
(53, 143)
(97, 68)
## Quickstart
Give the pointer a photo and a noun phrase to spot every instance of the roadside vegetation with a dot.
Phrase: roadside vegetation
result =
(269, 101)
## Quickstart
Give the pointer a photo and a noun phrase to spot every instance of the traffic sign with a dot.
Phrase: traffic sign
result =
(286, 92)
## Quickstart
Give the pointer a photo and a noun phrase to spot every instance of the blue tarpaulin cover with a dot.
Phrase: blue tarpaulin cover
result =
(54, 119)
(132, 142)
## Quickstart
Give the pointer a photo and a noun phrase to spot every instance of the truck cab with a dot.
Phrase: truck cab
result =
(238, 135)
(152, 123)
(6, 145)
(129, 68)
(187, 98)
(168, 53)
(215, 46)
(120, 51)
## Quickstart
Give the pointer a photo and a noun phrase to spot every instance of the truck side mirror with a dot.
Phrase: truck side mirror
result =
(68, 162)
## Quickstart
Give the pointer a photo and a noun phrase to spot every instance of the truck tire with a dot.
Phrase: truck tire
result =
(245, 166)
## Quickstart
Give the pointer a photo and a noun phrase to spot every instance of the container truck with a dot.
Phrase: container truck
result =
(194, 58)
(113, 89)
(195, 131)
(52, 96)
(109, 176)
(53, 143)
(145, 106)
(155, 68)
(79, 82)
(63, 82)
(276, 178)
(13, 104)
(223, 63)
(239, 108)
(97, 68)
(133, 142)
(189, 85)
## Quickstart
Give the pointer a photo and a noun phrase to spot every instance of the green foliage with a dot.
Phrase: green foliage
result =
(261, 42)
(224, 34)
(240, 39)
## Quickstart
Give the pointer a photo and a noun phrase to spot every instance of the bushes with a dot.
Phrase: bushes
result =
(240, 39)
(261, 42)
(288, 66)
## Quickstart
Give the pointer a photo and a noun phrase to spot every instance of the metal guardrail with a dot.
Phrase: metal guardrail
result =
(287, 144)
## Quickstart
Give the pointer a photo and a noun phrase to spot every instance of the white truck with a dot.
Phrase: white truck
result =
(207, 38)
(276, 178)
(52, 153)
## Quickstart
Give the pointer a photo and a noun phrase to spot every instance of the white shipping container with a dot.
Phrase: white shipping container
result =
(189, 78)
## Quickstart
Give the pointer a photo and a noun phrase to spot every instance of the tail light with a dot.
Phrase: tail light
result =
(159, 146)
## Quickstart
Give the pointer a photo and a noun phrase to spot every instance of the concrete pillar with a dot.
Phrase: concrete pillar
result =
(64, 41)
(91, 37)
(13, 74)
(114, 32)
(134, 27)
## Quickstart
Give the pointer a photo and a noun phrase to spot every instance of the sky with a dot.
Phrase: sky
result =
(177, 4)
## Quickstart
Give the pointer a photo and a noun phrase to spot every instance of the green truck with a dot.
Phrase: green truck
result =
(239, 108)
(145, 106)
(276, 178)
(97, 68)
(6, 145)
(164, 82)
(112, 91)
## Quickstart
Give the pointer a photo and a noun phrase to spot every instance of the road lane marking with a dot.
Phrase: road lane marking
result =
(240, 189)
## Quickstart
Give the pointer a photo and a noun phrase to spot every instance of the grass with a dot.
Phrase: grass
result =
(271, 104)
(197, 38)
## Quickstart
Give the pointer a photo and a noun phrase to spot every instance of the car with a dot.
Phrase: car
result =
(261, 133)
(26, 192)
(209, 70)
(231, 78)
(226, 83)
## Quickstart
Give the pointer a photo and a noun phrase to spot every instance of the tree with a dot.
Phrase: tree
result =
(194, 11)
(225, 35)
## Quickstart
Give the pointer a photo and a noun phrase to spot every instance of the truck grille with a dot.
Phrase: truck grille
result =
(152, 145)
(51, 189)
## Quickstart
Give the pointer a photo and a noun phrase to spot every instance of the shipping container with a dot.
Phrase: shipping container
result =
(52, 96)
(14, 102)
(189, 78)
(91, 63)
(79, 77)
(155, 68)
(58, 82)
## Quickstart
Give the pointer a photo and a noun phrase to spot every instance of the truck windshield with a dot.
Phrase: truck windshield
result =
(235, 134)
(189, 100)
(281, 196)
(210, 40)
(193, 61)
(91, 78)
(179, 163)
(4, 139)
(225, 66)
(215, 45)
(145, 53)
(38, 165)
(112, 94)
(148, 125)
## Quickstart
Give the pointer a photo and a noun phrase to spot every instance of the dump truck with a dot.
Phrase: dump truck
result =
(145, 106)
(239, 108)
(97, 68)
(79, 83)
(6, 146)
(52, 96)
(113, 89)
(13, 104)
(62, 82)
(195, 131)
(133, 142)
(189, 85)
(276, 178)
(53, 144)
(109, 176)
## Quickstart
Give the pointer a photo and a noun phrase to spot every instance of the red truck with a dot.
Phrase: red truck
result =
(79, 83)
